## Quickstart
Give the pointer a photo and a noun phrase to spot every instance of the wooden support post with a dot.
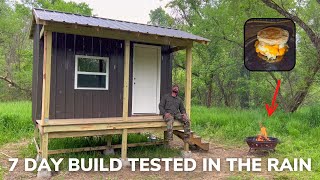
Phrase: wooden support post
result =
(125, 98)
(124, 144)
(46, 91)
(41, 32)
(46, 77)
(188, 86)
(188, 79)
(44, 146)
(126, 80)
(109, 140)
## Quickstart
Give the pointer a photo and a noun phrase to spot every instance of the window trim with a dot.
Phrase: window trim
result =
(106, 74)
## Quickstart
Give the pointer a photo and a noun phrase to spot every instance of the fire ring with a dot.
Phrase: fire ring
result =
(268, 145)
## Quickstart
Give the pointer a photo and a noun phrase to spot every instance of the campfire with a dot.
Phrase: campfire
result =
(263, 136)
(262, 141)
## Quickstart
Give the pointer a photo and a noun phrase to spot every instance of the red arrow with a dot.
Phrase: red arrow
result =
(274, 105)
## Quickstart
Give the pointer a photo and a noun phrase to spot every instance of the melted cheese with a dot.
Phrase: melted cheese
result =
(271, 51)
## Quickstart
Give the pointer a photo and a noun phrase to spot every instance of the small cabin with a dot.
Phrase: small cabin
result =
(96, 76)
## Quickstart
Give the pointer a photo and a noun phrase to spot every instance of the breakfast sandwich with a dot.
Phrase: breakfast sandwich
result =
(272, 43)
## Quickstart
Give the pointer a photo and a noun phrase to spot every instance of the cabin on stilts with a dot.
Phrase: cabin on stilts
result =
(99, 77)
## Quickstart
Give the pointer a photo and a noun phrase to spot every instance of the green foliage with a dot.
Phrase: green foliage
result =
(16, 53)
(159, 17)
(298, 133)
(70, 6)
(15, 121)
(219, 65)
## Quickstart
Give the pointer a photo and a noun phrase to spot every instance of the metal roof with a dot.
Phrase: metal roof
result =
(62, 17)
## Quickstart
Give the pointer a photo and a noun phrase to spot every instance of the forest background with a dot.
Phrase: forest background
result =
(219, 76)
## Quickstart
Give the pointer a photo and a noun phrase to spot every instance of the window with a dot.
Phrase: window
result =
(91, 72)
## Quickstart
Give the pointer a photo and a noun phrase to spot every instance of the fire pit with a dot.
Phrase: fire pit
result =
(256, 144)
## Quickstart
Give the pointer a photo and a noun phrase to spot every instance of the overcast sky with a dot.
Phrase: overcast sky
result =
(127, 10)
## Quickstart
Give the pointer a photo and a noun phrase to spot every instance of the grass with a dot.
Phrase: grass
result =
(299, 133)
(15, 121)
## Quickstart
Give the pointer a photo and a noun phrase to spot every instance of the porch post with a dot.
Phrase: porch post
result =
(46, 78)
(125, 98)
(46, 90)
(188, 79)
(188, 85)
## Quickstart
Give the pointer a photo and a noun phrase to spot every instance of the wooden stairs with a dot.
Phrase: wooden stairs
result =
(194, 140)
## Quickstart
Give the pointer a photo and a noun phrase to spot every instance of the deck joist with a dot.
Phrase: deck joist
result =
(61, 128)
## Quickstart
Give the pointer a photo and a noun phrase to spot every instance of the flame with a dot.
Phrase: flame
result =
(263, 136)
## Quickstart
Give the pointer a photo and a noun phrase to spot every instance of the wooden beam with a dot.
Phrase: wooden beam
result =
(36, 144)
(188, 79)
(44, 146)
(117, 126)
(114, 34)
(188, 86)
(124, 144)
(109, 140)
(109, 120)
(126, 68)
(46, 77)
(99, 148)
(41, 32)
(126, 80)
(108, 132)
(177, 48)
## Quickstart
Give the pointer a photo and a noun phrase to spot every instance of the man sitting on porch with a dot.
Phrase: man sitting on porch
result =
(171, 107)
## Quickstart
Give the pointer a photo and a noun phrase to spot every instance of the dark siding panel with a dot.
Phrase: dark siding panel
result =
(40, 75)
(96, 96)
(70, 63)
(119, 77)
(166, 70)
(114, 84)
(78, 97)
(61, 76)
(52, 111)
(71, 103)
(35, 72)
(105, 104)
(131, 77)
(87, 94)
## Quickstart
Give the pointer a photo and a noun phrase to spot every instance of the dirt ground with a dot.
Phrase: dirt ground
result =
(216, 151)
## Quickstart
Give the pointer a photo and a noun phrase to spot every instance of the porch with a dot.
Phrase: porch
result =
(63, 128)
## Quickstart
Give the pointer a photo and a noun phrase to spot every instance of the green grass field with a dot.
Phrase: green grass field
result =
(299, 133)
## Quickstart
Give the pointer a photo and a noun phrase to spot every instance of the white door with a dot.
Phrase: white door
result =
(146, 79)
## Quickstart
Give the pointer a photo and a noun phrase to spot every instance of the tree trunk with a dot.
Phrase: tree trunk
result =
(209, 95)
(244, 95)
(302, 93)
(223, 92)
